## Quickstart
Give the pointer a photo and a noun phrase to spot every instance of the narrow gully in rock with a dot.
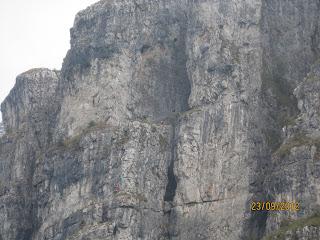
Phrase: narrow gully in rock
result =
(172, 181)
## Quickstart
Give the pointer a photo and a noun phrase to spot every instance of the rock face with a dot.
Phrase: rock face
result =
(1, 129)
(295, 164)
(166, 120)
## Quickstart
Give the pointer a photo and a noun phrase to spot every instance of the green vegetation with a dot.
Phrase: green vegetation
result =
(163, 143)
(294, 225)
(123, 194)
(146, 119)
(169, 119)
(296, 141)
(74, 142)
(9, 133)
(300, 139)
(312, 78)
(235, 52)
(190, 111)
(289, 121)
(139, 196)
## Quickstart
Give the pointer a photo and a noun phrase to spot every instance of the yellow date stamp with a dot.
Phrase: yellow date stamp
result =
(275, 206)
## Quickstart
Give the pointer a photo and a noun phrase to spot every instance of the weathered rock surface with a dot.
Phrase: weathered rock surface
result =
(295, 164)
(305, 233)
(1, 129)
(166, 120)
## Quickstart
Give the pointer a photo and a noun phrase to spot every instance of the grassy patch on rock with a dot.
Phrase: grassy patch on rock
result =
(289, 121)
(74, 141)
(312, 78)
(163, 143)
(190, 111)
(300, 139)
(292, 226)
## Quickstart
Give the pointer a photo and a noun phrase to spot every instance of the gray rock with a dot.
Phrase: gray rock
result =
(166, 120)
(295, 169)
(2, 131)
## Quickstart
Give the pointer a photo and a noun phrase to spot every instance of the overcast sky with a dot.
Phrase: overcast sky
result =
(34, 33)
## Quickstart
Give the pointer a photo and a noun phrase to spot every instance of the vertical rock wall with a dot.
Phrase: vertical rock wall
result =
(168, 118)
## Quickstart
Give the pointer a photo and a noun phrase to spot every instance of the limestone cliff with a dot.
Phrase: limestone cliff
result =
(167, 119)
(2, 132)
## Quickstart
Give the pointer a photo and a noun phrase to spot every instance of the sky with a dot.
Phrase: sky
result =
(34, 33)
